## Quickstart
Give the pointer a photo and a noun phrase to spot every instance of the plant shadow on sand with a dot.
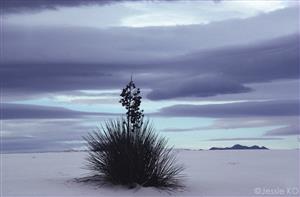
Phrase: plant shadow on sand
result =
(98, 181)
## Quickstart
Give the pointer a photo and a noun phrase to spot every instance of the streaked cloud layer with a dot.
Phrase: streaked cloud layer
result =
(234, 63)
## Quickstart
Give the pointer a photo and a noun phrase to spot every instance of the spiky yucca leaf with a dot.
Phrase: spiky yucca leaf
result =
(130, 158)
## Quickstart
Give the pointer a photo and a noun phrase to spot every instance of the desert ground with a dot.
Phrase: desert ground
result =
(207, 173)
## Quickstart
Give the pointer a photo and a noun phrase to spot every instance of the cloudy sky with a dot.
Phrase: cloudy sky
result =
(212, 73)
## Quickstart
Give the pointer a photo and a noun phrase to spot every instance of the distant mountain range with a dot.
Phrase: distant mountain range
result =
(240, 147)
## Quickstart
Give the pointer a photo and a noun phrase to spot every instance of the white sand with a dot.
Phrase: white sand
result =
(208, 173)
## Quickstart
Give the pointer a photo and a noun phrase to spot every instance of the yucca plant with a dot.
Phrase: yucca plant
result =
(138, 158)
(129, 152)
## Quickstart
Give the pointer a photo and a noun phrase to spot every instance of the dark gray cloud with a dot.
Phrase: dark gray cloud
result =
(253, 63)
(50, 77)
(200, 86)
(19, 6)
(227, 71)
(289, 130)
(289, 89)
(243, 109)
(205, 74)
(24, 111)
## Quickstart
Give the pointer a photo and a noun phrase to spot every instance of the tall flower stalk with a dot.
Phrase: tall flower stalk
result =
(131, 100)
